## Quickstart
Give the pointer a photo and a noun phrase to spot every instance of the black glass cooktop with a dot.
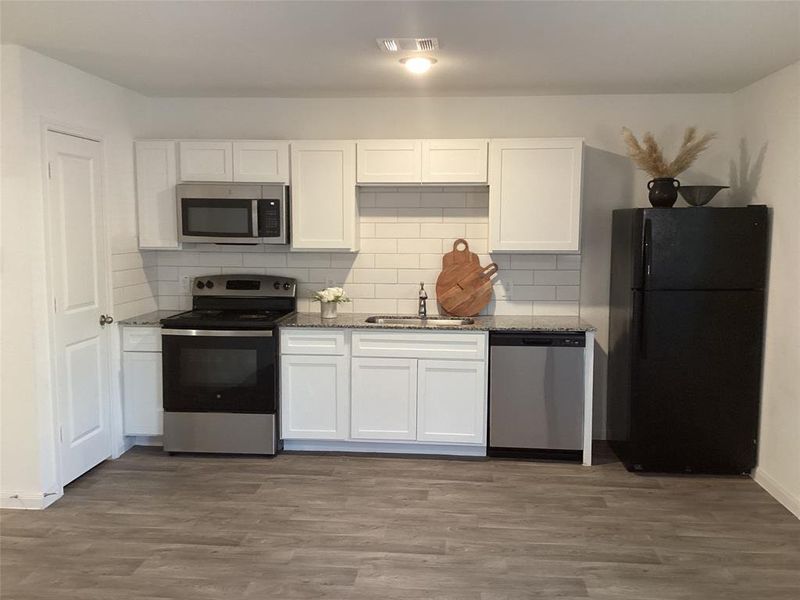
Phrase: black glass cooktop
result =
(224, 319)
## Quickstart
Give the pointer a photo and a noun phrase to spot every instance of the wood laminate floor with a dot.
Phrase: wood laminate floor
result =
(153, 526)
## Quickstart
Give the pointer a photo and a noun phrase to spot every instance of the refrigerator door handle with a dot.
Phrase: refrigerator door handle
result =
(639, 326)
(647, 251)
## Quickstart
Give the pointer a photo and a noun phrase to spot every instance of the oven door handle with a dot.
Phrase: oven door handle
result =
(216, 333)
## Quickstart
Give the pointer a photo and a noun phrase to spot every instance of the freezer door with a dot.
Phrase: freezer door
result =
(701, 249)
(696, 374)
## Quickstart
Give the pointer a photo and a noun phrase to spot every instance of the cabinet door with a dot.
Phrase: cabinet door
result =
(451, 401)
(324, 209)
(156, 208)
(261, 161)
(314, 397)
(535, 195)
(389, 161)
(206, 161)
(384, 399)
(142, 402)
(454, 161)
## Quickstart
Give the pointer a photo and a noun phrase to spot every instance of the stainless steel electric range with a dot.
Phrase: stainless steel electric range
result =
(220, 365)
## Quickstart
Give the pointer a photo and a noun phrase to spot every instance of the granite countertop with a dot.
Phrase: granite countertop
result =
(484, 323)
(151, 319)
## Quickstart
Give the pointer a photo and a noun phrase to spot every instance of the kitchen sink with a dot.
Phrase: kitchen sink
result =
(420, 322)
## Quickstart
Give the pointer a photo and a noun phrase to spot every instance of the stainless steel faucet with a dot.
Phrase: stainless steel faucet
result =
(423, 301)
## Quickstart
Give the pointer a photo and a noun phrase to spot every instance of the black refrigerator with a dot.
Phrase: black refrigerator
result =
(686, 337)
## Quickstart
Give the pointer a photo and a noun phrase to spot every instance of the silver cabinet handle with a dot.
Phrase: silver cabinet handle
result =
(106, 320)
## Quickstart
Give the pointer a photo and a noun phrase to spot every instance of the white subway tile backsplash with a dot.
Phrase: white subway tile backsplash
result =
(308, 259)
(404, 233)
(397, 199)
(379, 246)
(375, 275)
(396, 261)
(551, 309)
(417, 275)
(533, 292)
(557, 277)
(568, 292)
(429, 246)
(264, 260)
(419, 215)
(569, 261)
(476, 231)
(397, 230)
(443, 199)
(465, 215)
(366, 230)
(350, 261)
(375, 305)
(533, 261)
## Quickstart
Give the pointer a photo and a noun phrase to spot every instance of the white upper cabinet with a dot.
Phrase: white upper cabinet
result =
(421, 161)
(454, 161)
(156, 176)
(206, 160)
(389, 161)
(261, 161)
(451, 401)
(535, 195)
(324, 208)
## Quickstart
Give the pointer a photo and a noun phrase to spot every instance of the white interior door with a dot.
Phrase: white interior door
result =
(79, 272)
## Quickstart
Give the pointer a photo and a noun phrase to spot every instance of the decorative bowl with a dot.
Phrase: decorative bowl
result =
(699, 195)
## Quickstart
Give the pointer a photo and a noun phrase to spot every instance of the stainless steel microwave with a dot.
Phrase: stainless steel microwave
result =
(235, 213)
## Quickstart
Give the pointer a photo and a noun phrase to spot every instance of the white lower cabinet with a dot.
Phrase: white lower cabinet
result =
(383, 390)
(384, 399)
(451, 401)
(142, 404)
(314, 397)
(143, 413)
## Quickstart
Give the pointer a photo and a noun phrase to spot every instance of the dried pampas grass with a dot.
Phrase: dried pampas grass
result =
(649, 157)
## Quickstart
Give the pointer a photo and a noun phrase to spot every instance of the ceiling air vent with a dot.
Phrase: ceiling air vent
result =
(408, 44)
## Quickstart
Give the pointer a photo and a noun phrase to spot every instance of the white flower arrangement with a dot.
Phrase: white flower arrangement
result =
(331, 294)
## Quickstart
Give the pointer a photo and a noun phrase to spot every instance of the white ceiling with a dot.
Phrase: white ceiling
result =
(305, 48)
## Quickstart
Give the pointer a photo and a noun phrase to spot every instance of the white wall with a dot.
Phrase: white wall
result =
(767, 114)
(36, 89)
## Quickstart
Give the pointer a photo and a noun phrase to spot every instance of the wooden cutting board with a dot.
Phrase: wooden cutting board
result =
(470, 295)
(464, 288)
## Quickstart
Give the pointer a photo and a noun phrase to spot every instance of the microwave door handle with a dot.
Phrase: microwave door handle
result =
(254, 219)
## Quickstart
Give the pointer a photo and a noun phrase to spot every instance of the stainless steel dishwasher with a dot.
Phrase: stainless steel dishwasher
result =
(536, 394)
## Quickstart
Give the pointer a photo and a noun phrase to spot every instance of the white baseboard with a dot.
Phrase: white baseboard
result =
(26, 501)
(777, 491)
(384, 447)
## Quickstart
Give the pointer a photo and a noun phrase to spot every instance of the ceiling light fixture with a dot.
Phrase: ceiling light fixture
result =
(418, 64)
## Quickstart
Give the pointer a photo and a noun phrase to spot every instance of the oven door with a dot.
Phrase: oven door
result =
(219, 371)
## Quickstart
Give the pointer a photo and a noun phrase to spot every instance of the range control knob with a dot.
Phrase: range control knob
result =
(287, 286)
(209, 284)
(277, 285)
(200, 285)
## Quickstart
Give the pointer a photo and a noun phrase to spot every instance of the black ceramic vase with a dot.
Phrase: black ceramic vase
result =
(663, 191)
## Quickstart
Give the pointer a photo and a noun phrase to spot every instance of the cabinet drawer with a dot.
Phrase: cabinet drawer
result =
(312, 341)
(141, 339)
(464, 346)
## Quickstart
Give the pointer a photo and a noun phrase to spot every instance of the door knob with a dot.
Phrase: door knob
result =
(106, 320)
